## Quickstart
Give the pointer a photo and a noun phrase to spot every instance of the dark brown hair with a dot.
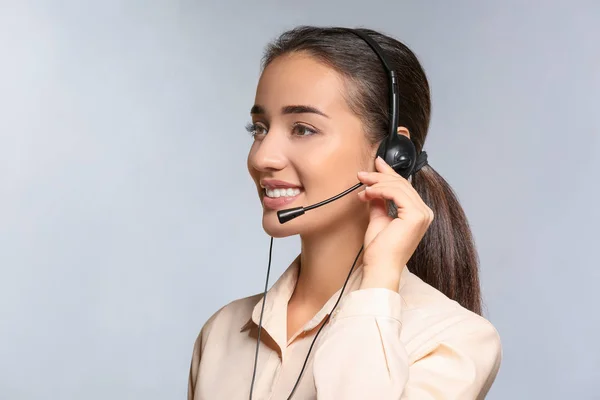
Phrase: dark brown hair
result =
(446, 258)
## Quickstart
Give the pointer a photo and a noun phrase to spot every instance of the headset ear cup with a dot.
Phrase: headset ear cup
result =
(400, 153)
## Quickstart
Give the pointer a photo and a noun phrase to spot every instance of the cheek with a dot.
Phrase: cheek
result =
(368, 161)
(319, 168)
(330, 170)
(343, 158)
(367, 155)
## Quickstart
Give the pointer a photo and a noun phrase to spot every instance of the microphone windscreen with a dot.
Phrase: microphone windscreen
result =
(289, 214)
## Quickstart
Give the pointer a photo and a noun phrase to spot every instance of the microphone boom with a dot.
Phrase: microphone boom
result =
(291, 213)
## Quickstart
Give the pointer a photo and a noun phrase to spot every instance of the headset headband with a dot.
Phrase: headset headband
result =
(392, 82)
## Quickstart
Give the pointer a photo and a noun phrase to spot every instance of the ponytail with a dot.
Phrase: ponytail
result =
(446, 257)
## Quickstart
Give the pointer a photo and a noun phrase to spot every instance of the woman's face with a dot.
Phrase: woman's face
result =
(308, 146)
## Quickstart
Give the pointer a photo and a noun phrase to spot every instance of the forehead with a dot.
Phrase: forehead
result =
(298, 78)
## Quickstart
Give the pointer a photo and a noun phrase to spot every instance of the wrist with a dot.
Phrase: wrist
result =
(378, 276)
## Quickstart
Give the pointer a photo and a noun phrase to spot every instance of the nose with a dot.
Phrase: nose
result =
(268, 154)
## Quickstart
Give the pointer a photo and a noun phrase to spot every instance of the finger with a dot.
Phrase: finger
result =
(404, 202)
(384, 167)
(389, 192)
(376, 178)
(379, 178)
(378, 219)
(378, 210)
(371, 178)
(369, 196)
(411, 201)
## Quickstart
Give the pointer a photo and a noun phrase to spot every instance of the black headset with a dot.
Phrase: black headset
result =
(398, 151)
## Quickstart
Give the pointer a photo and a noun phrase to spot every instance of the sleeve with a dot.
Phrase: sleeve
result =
(362, 356)
(461, 362)
(199, 344)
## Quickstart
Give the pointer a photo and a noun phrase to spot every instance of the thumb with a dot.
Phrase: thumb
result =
(378, 219)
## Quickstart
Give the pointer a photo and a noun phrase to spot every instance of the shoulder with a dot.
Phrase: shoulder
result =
(432, 321)
(228, 317)
(221, 322)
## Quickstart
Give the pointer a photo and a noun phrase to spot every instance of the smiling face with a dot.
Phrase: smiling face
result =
(308, 146)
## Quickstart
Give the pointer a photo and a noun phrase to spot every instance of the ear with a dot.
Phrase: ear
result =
(403, 131)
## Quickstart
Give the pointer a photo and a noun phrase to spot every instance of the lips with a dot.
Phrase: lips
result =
(277, 184)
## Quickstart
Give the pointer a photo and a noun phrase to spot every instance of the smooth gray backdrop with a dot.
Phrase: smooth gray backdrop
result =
(127, 216)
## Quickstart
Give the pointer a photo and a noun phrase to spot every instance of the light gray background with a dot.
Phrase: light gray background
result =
(127, 216)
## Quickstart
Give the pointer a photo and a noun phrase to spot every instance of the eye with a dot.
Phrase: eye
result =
(255, 129)
(303, 130)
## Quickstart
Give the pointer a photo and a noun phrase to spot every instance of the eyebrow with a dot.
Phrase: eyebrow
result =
(295, 109)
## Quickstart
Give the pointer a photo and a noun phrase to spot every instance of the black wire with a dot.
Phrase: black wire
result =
(261, 317)
(316, 335)
(324, 323)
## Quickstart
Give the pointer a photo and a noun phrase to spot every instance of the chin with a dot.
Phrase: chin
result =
(303, 225)
(274, 228)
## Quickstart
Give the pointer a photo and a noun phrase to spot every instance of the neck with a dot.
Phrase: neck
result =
(325, 262)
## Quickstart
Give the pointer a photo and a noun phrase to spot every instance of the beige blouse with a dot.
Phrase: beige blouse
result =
(378, 345)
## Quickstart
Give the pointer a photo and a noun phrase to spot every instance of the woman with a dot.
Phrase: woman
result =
(408, 324)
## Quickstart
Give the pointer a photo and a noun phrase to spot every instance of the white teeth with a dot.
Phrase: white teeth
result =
(289, 192)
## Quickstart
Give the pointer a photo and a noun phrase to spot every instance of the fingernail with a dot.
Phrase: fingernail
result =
(362, 173)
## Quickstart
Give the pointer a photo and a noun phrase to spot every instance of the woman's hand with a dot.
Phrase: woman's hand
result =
(390, 242)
